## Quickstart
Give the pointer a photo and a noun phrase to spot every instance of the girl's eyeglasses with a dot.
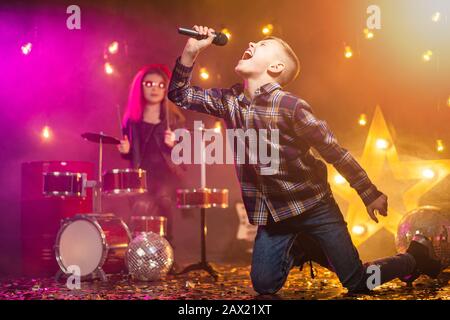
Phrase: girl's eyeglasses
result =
(150, 84)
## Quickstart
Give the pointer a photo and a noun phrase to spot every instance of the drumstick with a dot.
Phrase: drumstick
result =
(167, 114)
(120, 120)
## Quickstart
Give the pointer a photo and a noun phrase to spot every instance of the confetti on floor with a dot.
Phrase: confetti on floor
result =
(234, 283)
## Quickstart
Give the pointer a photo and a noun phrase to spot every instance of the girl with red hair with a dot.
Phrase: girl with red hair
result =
(148, 140)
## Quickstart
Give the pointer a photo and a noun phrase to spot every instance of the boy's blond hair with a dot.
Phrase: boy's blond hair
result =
(292, 69)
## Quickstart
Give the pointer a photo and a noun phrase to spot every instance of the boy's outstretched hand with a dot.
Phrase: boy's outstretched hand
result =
(194, 47)
(380, 205)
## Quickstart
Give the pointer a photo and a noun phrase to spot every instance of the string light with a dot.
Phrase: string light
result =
(267, 29)
(428, 173)
(436, 16)
(348, 52)
(439, 145)
(427, 55)
(359, 229)
(448, 101)
(362, 120)
(382, 144)
(368, 33)
(204, 74)
(338, 179)
(113, 48)
(109, 68)
(26, 48)
(226, 32)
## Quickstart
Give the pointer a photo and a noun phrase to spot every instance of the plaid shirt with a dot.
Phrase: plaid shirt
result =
(301, 180)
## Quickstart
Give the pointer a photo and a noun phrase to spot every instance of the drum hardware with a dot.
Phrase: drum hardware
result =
(202, 198)
(64, 184)
(156, 224)
(193, 198)
(93, 243)
(97, 242)
(101, 139)
(124, 182)
(218, 198)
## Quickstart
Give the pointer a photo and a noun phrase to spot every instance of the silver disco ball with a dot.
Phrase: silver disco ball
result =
(149, 257)
(431, 222)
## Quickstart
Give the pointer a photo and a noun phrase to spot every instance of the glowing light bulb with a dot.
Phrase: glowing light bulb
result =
(362, 120)
(109, 68)
(217, 127)
(359, 229)
(338, 179)
(46, 133)
(26, 48)
(427, 55)
(436, 16)
(204, 74)
(428, 173)
(368, 33)
(226, 32)
(348, 52)
(440, 145)
(382, 144)
(113, 48)
(267, 29)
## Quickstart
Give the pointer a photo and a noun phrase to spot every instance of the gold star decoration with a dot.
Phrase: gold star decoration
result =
(411, 179)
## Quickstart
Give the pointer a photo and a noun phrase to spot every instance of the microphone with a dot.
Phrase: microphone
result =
(220, 39)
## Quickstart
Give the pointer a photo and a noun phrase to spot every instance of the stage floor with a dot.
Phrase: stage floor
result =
(234, 283)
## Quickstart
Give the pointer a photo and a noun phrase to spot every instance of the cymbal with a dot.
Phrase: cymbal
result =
(96, 137)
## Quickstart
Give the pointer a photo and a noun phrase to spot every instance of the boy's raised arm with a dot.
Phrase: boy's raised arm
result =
(182, 93)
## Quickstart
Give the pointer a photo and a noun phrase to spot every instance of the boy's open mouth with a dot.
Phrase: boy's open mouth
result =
(248, 54)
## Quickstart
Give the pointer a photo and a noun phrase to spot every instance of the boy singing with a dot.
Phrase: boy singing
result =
(297, 217)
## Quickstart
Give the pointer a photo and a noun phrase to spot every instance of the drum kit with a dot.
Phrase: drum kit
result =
(97, 243)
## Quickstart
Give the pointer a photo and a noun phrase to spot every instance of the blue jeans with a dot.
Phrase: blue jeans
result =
(319, 234)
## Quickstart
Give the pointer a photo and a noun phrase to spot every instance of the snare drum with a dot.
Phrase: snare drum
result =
(125, 181)
(218, 198)
(61, 184)
(156, 224)
(92, 242)
(193, 198)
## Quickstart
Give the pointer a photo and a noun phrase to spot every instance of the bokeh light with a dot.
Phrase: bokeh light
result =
(368, 34)
(362, 121)
(46, 133)
(439, 145)
(348, 52)
(204, 74)
(113, 47)
(226, 32)
(26, 48)
(382, 144)
(427, 55)
(338, 179)
(217, 127)
(109, 68)
(267, 29)
(428, 173)
(436, 16)
(359, 229)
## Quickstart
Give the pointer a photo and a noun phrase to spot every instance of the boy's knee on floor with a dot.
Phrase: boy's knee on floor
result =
(264, 283)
